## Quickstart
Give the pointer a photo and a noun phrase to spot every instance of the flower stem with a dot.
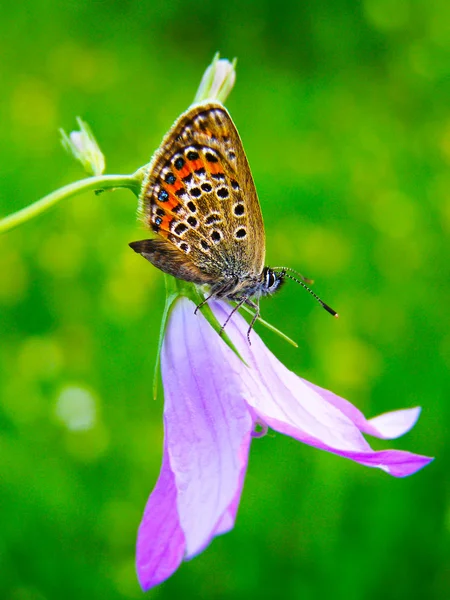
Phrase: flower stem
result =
(102, 182)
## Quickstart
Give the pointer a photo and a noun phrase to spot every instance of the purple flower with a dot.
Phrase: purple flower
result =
(213, 402)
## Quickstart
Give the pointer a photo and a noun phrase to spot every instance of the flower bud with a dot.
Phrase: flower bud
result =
(217, 81)
(84, 148)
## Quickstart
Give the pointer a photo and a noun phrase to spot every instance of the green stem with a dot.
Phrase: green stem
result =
(102, 182)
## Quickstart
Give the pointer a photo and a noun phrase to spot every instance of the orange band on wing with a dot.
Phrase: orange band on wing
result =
(174, 187)
(172, 202)
(215, 168)
(197, 164)
(184, 172)
(163, 228)
(167, 220)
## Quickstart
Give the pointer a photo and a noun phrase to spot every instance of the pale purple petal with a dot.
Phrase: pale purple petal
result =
(393, 424)
(160, 543)
(398, 463)
(226, 523)
(289, 405)
(386, 426)
(208, 425)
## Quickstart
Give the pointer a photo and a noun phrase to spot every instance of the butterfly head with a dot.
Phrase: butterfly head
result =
(271, 280)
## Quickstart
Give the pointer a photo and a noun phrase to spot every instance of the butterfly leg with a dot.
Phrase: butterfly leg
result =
(255, 317)
(203, 303)
(235, 309)
(216, 291)
(213, 293)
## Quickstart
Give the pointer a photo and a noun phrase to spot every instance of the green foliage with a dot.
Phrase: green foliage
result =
(343, 110)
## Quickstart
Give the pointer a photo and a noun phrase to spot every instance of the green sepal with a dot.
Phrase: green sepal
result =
(174, 289)
(206, 311)
(271, 327)
(171, 295)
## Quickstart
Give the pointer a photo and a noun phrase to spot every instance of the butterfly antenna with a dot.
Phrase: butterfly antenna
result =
(302, 277)
(319, 300)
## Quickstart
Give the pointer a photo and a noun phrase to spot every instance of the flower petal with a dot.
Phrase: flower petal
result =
(393, 424)
(208, 425)
(160, 543)
(386, 426)
(226, 523)
(289, 405)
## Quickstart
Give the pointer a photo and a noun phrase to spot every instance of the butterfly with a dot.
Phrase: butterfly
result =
(200, 199)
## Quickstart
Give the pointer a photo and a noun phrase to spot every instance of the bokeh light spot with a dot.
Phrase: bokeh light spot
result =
(13, 275)
(129, 285)
(387, 15)
(87, 445)
(350, 362)
(76, 408)
(62, 254)
(33, 112)
(394, 214)
(39, 358)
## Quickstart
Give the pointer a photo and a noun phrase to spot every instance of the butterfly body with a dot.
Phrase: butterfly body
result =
(200, 199)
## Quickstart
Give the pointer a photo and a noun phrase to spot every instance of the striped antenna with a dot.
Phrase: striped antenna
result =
(302, 277)
(303, 284)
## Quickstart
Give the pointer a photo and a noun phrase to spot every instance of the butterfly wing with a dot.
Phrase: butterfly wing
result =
(199, 196)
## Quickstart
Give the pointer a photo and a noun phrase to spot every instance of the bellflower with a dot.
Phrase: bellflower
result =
(220, 393)
(214, 405)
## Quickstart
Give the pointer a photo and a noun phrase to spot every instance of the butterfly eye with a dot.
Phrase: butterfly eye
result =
(270, 279)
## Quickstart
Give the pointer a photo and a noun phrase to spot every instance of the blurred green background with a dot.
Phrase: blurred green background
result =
(343, 108)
